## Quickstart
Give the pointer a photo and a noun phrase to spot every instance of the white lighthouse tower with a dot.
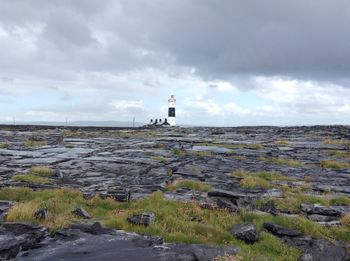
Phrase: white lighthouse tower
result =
(171, 112)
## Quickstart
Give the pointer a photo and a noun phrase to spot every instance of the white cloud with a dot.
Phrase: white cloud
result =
(236, 109)
(203, 106)
(304, 97)
(126, 105)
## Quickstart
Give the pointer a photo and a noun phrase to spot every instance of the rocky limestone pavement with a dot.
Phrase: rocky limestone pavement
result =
(125, 164)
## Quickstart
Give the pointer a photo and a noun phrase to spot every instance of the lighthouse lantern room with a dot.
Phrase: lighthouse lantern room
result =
(171, 112)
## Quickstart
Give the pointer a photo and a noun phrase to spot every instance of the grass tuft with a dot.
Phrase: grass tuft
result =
(333, 164)
(160, 159)
(34, 143)
(255, 182)
(42, 171)
(282, 142)
(190, 184)
(178, 152)
(4, 145)
(340, 154)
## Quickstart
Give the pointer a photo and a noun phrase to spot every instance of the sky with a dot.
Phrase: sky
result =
(228, 62)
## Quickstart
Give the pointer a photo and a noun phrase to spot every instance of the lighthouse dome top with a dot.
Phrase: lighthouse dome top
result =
(172, 98)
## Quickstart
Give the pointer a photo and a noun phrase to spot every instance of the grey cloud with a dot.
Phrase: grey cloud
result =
(220, 39)
(301, 38)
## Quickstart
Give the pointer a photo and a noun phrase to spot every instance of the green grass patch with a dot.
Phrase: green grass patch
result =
(178, 152)
(260, 179)
(172, 220)
(36, 175)
(255, 182)
(293, 198)
(31, 179)
(333, 164)
(160, 158)
(204, 153)
(34, 143)
(190, 184)
(280, 161)
(340, 201)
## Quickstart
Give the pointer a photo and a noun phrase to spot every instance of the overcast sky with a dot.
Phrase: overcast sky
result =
(228, 62)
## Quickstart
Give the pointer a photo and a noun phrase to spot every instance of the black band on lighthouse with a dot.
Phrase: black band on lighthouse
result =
(171, 112)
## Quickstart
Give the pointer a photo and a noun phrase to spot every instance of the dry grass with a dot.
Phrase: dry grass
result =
(42, 171)
(333, 164)
(281, 142)
(4, 144)
(345, 220)
(336, 142)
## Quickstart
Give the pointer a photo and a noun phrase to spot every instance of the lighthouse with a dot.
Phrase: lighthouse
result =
(171, 112)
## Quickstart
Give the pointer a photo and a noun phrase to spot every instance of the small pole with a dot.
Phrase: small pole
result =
(133, 122)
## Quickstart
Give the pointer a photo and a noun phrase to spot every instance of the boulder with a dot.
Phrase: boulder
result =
(321, 218)
(5, 206)
(57, 173)
(246, 232)
(10, 246)
(318, 249)
(274, 193)
(226, 204)
(269, 207)
(312, 249)
(42, 213)
(146, 219)
(195, 219)
(121, 195)
(82, 213)
(228, 194)
(92, 228)
(280, 231)
(15, 237)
